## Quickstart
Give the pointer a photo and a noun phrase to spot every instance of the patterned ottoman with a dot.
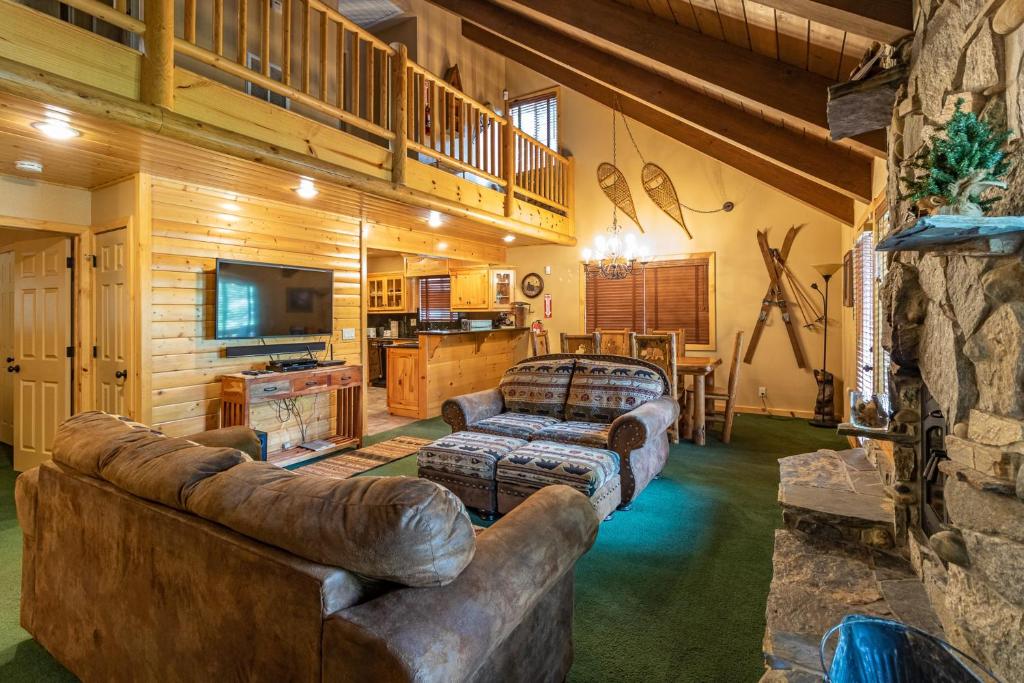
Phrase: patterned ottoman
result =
(465, 463)
(593, 472)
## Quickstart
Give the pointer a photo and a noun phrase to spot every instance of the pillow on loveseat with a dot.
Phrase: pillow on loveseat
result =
(603, 390)
(537, 387)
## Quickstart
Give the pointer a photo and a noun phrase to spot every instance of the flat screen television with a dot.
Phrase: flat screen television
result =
(263, 300)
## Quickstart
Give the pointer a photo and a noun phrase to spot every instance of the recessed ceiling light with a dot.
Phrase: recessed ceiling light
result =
(442, 246)
(28, 166)
(230, 206)
(434, 219)
(55, 129)
(509, 238)
(306, 189)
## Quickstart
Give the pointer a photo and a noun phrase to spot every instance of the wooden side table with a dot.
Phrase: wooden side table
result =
(240, 393)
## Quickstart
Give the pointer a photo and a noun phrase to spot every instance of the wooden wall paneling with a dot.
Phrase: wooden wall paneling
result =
(192, 227)
(825, 50)
(793, 33)
(761, 28)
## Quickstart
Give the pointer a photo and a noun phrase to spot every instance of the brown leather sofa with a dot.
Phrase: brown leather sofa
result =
(159, 559)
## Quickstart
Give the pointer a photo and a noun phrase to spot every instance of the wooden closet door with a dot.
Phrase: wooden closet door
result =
(6, 347)
(112, 322)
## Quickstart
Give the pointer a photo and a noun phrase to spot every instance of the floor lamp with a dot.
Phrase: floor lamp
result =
(825, 404)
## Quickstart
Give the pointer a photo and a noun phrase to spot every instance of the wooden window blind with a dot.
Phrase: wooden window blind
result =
(436, 300)
(864, 311)
(537, 116)
(667, 295)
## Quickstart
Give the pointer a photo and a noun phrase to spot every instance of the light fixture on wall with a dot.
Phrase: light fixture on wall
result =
(28, 166)
(618, 255)
(434, 219)
(824, 405)
(56, 129)
(441, 246)
(306, 188)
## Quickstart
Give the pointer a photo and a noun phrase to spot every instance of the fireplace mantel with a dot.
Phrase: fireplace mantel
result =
(987, 235)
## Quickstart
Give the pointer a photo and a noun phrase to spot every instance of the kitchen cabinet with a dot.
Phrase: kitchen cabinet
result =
(483, 289)
(470, 289)
(388, 292)
(403, 381)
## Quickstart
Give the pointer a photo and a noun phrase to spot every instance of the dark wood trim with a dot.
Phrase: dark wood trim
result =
(883, 20)
(828, 163)
(798, 187)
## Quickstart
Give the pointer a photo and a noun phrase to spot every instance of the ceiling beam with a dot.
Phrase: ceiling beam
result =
(796, 186)
(883, 20)
(826, 162)
(788, 91)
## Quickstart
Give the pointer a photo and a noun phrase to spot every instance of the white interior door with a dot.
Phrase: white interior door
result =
(6, 347)
(42, 336)
(110, 305)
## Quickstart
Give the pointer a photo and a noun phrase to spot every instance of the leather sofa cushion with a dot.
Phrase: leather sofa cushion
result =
(240, 437)
(410, 531)
(537, 387)
(603, 390)
(137, 459)
(84, 442)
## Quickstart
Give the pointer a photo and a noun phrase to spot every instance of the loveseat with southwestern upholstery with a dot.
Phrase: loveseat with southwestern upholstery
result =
(150, 558)
(615, 403)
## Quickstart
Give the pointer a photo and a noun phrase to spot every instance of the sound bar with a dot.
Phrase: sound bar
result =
(267, 349)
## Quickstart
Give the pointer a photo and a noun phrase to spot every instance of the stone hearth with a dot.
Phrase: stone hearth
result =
(835, 557)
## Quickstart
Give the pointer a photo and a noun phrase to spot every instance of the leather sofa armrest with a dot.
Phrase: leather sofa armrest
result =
(26, 491)
(462, 411)
(445, 633)
(634, 429)
(238, 437)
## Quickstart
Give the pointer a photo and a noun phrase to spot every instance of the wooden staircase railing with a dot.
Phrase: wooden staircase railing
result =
(323, 62)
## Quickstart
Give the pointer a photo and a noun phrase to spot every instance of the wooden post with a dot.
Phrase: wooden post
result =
(399, 112)
(157, 81)
(570, 189)
(508, 161)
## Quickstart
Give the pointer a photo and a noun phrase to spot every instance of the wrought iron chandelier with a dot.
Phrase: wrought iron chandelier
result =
(617, 255)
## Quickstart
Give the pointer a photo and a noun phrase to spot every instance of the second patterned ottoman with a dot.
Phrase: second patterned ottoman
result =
(465, 464)
(593, 472)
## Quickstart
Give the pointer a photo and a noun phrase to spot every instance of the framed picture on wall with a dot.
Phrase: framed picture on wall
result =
(848, 279)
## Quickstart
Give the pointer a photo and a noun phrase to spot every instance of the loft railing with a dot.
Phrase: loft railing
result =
(319, 61)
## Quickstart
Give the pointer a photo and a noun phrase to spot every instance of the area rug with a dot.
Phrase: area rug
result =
(352, 463)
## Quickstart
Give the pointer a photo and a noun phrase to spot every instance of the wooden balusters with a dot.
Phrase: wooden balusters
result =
(190, 20)
(243, 32)
(286, 42)
(218, 27)
(541, 174)
(399, 115)
(306, 29)
(323, 56)
(265, 37)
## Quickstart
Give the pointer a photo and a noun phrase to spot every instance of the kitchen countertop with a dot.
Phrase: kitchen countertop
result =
(404, 345)
(448, 333)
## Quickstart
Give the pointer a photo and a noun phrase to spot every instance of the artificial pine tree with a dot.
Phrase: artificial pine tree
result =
(963, 159)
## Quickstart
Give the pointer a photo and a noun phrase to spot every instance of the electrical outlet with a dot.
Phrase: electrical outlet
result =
(762, 392)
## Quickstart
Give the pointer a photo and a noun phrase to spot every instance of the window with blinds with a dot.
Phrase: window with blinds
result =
(666, 295)
(537, 116)
(864, 311)
(436, 300)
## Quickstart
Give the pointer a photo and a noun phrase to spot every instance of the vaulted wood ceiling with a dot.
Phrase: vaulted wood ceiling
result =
(744, 82)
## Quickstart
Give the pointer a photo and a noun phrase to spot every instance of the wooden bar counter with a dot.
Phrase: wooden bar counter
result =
(450, 364)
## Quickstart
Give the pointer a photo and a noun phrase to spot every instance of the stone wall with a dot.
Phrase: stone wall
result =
(956, 322)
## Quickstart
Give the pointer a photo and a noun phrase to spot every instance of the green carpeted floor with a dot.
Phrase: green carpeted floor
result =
(673, 590)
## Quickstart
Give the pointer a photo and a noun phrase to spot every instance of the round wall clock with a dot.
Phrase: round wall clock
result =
(533, 285)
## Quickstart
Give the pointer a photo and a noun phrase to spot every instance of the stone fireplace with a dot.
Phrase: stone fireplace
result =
(944, 495)
(954, 324)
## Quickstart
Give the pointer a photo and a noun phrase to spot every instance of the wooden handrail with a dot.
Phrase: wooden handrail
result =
(230, 67)
(540, 173)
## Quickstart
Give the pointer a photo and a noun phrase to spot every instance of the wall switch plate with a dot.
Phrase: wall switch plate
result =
(762, 391)
(547, 270)
(348, 333)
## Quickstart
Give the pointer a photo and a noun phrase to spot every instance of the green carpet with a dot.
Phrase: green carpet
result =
(673, 590)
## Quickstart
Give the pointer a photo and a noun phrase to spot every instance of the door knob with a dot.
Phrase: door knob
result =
(121, 374)
(10, 359)
(13, 368)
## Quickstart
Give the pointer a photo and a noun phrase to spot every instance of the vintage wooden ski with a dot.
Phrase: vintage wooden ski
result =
(776, 295)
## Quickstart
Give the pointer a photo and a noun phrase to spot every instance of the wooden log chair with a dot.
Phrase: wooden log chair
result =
(726, 395)
(614, 342)
(660, 349)
(539, 343)
(581, 343)
(680, 334)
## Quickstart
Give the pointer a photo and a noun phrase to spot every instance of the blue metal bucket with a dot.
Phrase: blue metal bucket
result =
(873, 650)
